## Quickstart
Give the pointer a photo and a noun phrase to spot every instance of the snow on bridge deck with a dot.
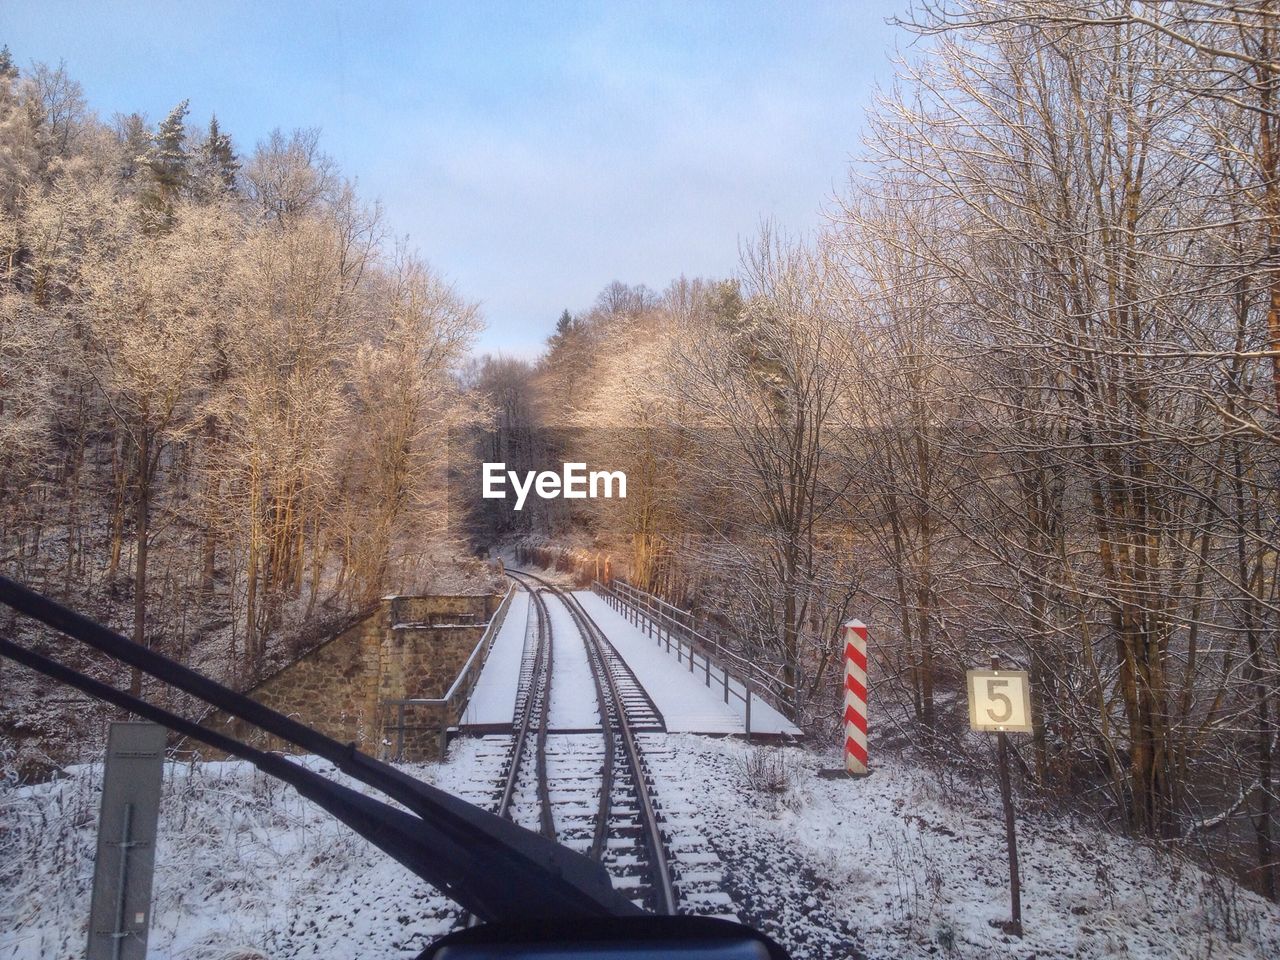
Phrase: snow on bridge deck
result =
(493, 701)
(686, 704)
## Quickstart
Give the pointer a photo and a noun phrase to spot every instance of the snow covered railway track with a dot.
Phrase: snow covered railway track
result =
(623, 832)
(525, 796)
(522, 793)
(641, 714)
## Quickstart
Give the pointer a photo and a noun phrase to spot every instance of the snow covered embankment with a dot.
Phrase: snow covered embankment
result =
(891, 866)
(896, 865)
(245, 868)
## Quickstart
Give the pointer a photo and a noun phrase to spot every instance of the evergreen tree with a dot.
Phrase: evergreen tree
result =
(19, 147)
(135, 140)
(564, 324)
(214, 166)
(566, 329)
(167, 163)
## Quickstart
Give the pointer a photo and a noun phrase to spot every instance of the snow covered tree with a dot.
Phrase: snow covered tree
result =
(214, 167)
(133, 140)
(19, 147)
(291, 177)
(150, 310)
(406, 403)
(58, 107)
(564, 326)
(215, 426)
(167, 165)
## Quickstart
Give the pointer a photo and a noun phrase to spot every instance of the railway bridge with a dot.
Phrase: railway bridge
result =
(574, 697)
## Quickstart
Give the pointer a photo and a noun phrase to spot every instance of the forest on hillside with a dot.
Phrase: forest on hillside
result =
(223, 387)
(1022, 396)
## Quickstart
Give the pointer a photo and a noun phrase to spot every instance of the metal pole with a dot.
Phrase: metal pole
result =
(122, 875)
(121, 900)
(1010, 827)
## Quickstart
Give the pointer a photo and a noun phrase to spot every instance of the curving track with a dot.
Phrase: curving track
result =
(523, 787)
(591, 789)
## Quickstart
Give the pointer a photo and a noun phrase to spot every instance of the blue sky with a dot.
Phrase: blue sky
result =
(531, 152)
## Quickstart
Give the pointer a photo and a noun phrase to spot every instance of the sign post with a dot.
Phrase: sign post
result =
(855, 698)
(1000, 702)
(120, 909)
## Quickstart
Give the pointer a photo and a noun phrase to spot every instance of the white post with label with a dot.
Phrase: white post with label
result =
(1000, 703)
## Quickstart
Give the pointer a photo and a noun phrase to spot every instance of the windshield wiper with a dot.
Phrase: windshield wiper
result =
(490, 866)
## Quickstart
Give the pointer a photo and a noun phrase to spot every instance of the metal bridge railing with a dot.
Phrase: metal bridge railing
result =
(677, 630)
(446, 712)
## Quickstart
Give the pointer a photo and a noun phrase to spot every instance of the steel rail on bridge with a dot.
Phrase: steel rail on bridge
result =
(537, 699)
(663, 883)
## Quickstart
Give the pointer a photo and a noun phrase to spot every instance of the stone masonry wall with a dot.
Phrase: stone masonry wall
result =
(410, 647)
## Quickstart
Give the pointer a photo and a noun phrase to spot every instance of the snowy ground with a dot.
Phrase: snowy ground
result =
(897, 865)
(901, 865)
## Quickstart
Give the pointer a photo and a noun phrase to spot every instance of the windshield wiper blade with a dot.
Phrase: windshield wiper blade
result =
(491, 866)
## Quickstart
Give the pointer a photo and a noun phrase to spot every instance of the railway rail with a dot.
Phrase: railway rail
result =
(533, 717)
(591, 790)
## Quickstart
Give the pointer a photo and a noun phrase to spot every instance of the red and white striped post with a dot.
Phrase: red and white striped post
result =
(855, 697)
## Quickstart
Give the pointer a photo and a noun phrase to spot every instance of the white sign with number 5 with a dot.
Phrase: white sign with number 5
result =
(1000, 701)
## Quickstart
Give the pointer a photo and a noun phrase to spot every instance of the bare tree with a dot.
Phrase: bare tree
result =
(763, 388)
(289, 177)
